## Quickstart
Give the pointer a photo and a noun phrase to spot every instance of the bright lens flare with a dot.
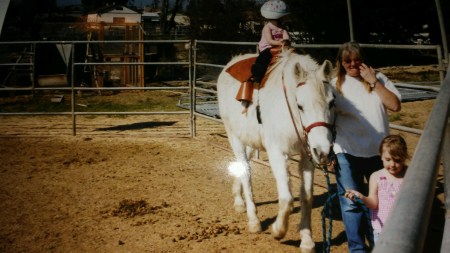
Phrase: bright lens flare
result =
(236, 169)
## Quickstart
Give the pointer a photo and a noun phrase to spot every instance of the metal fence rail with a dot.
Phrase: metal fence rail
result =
(405, 231)
(192, 61)
(196, 63)
(74, 88)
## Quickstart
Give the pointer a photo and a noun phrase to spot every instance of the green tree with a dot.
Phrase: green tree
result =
(319, 21)
(223, 20)
(26, 16)
(327, 22)
(171, 24)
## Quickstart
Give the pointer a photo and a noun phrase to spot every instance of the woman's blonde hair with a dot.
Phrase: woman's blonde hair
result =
(344, 53)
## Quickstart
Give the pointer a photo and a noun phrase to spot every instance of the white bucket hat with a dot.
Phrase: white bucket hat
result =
(274, 9)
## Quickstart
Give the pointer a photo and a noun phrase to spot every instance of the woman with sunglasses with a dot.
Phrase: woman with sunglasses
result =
(362, 100)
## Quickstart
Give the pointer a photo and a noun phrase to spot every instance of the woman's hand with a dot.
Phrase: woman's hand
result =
(389, 99)
(368, 73)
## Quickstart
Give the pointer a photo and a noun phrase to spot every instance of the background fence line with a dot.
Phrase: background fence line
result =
(195, 83)
(405, 230)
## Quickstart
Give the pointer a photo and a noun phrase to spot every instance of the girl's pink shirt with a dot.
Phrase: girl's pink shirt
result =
(278, 34)
(387, 192)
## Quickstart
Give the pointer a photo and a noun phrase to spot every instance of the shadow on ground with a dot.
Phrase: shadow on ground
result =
(137, 126)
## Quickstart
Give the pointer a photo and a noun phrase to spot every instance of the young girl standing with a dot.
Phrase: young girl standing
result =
(384, 184)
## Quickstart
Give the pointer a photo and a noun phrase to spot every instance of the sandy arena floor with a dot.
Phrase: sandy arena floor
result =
(141, 184)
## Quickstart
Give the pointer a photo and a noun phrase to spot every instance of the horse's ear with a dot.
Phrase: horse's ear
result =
(327, 70)
(299, 73)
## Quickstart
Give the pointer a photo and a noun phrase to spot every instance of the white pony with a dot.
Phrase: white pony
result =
(296, 112)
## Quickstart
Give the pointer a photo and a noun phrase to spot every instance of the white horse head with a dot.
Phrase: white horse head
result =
(315, 101)
(307, 85)
(295, 109)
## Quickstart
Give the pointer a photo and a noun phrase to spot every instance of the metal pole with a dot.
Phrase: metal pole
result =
(445, 246)
(33, 67)
(72, 93)
(441, 63)
(4, 7)
(193, 86)
(442, 26)
(406, 233)
(350, 19)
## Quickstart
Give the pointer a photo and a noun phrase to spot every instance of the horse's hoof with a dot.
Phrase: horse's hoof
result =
(254, 227)
(307, 245)
(280, 226)
(278, 233)
(307, 248)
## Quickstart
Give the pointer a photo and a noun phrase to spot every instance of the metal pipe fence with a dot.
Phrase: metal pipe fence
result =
(74, 89)
(196, 85)
(211, 90)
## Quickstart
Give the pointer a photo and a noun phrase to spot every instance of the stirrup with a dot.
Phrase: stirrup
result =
(245, 92)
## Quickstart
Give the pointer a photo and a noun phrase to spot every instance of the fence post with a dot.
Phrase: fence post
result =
(445, 247)
(406, 228)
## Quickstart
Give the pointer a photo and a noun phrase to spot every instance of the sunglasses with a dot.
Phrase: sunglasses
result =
(348, 61)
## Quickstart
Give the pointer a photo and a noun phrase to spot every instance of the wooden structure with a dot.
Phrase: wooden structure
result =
(116, 23)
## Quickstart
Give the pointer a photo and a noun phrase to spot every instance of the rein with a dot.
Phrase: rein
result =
(328, 203)
(307, 129)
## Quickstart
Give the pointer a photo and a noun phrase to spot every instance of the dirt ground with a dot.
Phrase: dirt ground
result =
(141, 184)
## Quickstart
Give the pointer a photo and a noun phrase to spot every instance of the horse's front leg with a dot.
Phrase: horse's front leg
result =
(278, 163)
(306, 200)
(242, 184)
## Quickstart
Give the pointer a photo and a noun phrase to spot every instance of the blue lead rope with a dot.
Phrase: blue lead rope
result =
(328, 209)
(328, 206)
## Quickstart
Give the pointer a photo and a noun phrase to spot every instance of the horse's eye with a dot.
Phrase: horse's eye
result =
(300, 107)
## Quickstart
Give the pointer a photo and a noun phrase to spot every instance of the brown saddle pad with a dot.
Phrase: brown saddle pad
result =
(242, 70)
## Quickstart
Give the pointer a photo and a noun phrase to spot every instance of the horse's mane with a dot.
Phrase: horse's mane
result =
(306, 61)
(287, 57)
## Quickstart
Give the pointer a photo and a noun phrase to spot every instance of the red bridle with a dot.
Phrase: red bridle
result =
(306, 130)
(317, 124)
(313, 125)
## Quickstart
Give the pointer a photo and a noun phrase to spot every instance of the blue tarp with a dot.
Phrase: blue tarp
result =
(211, 108)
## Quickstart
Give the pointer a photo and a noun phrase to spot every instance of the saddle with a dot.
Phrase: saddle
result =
(241, 71)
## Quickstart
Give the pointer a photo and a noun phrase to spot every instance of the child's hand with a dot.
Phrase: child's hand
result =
(352, 194)
(286, 43)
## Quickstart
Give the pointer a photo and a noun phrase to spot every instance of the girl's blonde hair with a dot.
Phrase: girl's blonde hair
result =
(344, 52)
(396, 145)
